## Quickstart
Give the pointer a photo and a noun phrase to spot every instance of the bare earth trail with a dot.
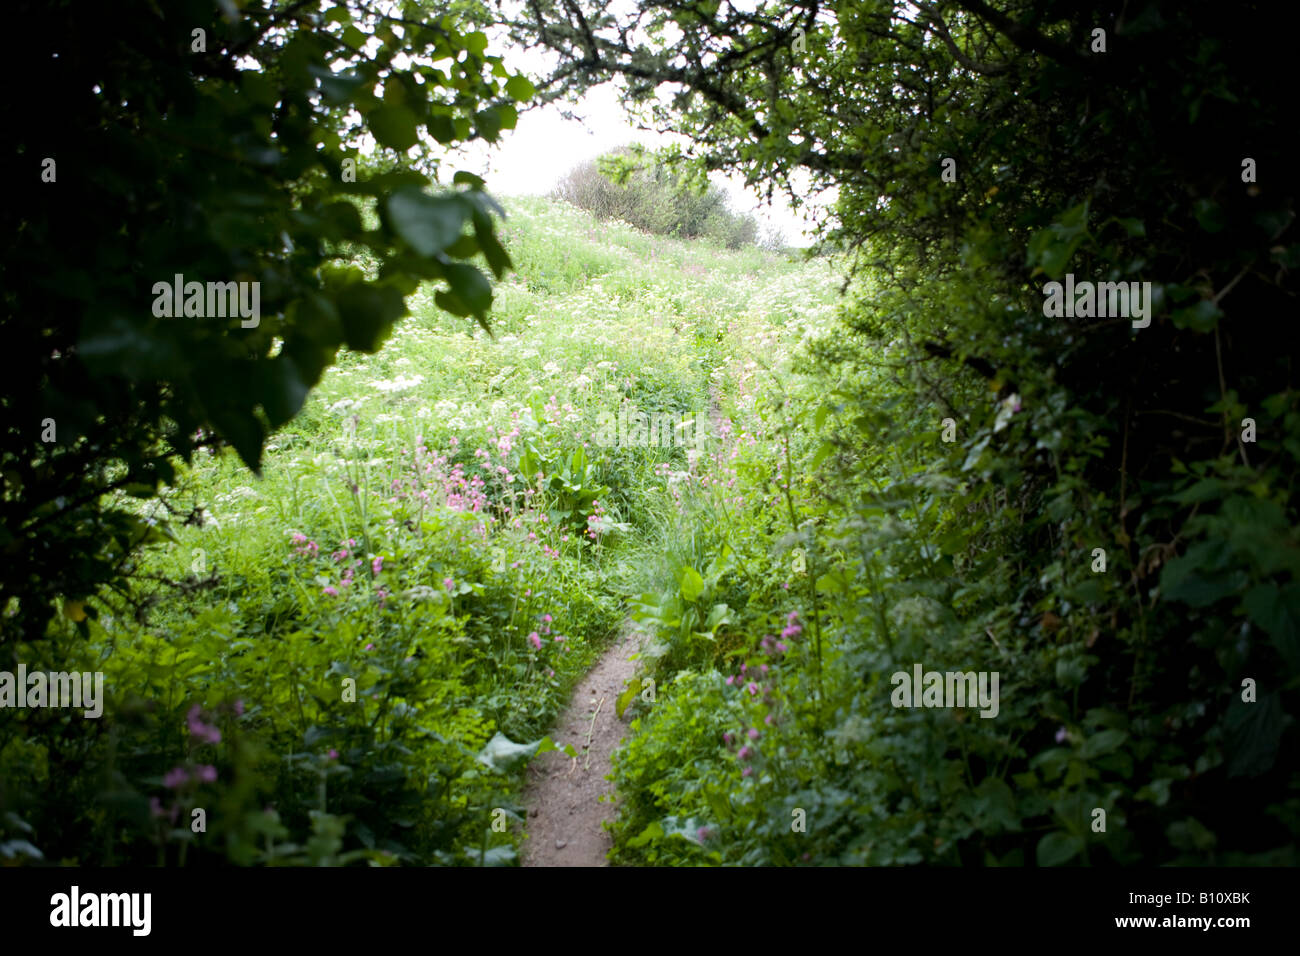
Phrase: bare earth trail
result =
(563, 794)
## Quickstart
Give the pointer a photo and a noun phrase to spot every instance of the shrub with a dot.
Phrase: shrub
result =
(651, 195)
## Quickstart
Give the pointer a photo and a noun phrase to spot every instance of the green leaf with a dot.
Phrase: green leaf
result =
(368, 313)
(493, 856)
(1102, 743)
(394, 127)
(1058, 847)
(653, 832)
(440, 128)
(1277, 612)
(624, 700)
(497, 258)
(282, 389)
(244, 432)
(1254, 732)
(520, 88)
(470, 291)
(690, 583)
(1201, 577)
(1207, 489)
(1210, 215)
(337, 87)
(1190, 835)
(502, 753)
(429, 224)
(1201, 317)
(488, 123)
(1133, 227)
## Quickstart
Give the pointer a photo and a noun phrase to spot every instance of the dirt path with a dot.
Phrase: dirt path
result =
(565, 812)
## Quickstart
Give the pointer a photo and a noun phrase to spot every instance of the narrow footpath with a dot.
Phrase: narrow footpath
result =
(564, 794)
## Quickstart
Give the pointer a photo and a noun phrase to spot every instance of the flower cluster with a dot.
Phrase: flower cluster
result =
(536, 639)
(201, 732)
(755, 681)
(349, 558)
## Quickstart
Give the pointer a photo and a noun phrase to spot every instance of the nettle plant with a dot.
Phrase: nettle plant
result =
(224, 149)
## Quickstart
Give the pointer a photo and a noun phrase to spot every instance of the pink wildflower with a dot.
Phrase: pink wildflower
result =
(200, 730)
(175, 778)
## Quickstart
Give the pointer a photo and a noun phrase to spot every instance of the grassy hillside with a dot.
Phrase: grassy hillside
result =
(350, 648)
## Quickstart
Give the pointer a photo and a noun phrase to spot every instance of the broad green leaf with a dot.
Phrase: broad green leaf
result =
(368, 313)
(624, 700)
(690, 583)
(469, 289)
(1277, 612)
(652, 832)
(429, 224)
(394, 127)
(1102, 742)
(1058, 847)
(520, 88)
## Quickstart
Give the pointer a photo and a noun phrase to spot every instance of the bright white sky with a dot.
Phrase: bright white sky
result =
(530, 159)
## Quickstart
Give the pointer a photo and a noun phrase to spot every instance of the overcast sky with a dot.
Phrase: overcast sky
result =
(530, 159)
